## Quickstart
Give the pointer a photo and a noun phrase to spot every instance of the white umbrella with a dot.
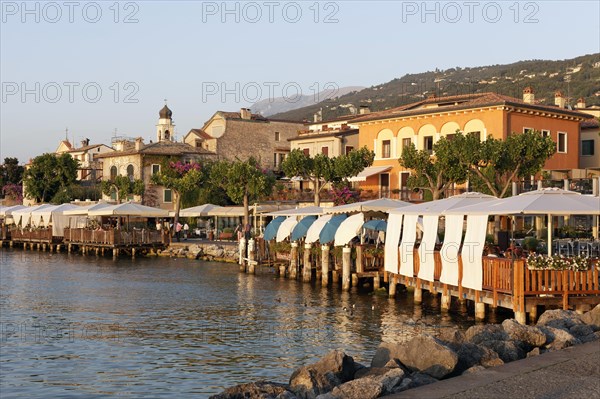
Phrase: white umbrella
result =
(349, 229)
(312, 235)
(197, 211)
(547, 201)
(377, 205)
(129, 209)
(8, 210)
(79, 210)
(306, 211)
(438, 207)
(286, 227)
(43, 216)
(23, 216)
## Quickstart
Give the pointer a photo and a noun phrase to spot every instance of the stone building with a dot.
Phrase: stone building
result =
(137, 160)
(239, 135)
(90, 166)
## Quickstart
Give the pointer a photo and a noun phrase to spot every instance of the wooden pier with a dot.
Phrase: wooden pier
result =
(88, 241)
(506, 283)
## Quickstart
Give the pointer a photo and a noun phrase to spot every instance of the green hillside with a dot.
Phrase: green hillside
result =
(577, 77)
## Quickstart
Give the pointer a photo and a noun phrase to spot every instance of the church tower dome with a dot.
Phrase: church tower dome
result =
(165, 129)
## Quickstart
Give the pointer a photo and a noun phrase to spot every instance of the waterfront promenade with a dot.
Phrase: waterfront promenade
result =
(569, 373)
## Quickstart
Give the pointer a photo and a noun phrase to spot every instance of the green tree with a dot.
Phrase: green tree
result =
(494, 164)
(243, 181)
(434, 173)
(11, 172)
(181, 178)
(322, 170)
(123, 187)
(48, 174)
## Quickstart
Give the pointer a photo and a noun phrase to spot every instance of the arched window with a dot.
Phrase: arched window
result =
(113, 172)
(130, 171)
(167, 135)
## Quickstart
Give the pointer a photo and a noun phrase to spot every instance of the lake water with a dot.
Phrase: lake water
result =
(74, 326)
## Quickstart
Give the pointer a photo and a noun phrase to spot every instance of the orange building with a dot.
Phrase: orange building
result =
(486, 114)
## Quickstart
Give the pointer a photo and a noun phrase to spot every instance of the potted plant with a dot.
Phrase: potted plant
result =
(530, 243)
(580, 263)
(538, 262)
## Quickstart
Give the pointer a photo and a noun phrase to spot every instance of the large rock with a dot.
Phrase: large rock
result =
(364, 388)
(321, 377)
(592, 317)
(428, 355)
(385, 352)
(532, 336)
(452, 336)
(485, 332)
(557, 338)
(470, 355)
(388, 378)
(256, 390)
(559, 318)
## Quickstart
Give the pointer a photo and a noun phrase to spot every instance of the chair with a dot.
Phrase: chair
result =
(564, 248)
(595, 249)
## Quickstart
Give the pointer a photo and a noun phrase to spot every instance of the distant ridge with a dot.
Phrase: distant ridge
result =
(278, 105)
(575, 78)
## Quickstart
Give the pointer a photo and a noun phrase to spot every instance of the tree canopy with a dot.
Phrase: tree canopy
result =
(243, 181)
(123, 187)
(434, 173)
(48, 174)
(321, 169)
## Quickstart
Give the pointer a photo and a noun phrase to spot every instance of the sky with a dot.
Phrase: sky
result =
(96, 68)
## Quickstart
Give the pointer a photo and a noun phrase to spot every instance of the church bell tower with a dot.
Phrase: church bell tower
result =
(165, 128)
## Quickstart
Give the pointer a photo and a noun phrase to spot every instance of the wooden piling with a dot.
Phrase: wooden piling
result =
(251, 256)
(346, 259)
(306, 266)
(392, 287)
(376, 281)
(324, 264)
(242, 255)
(294, 260)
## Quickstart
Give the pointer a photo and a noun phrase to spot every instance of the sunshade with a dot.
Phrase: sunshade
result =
(376, 224)
(197, 211)
(83, 210)
(312, 235)
(306, 211)
(369, 171)
(129, 209)
(302, 227)
(328, 232)
(226, 211)
(272, 227)
(377, 205)
(349, 229)
(23, 216)
(438, 207)
(547, 201)
(285, 229)
(8, 210)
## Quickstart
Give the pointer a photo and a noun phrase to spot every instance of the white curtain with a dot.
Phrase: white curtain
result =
(427, 247)
(392, 240)
(407, 246)
(472, 251)
(59, 223)
(449, 251)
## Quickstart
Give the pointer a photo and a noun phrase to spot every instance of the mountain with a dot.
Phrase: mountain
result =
(575, 78)
(278, 105)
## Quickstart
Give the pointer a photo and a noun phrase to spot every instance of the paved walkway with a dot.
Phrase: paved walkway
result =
(570, 373)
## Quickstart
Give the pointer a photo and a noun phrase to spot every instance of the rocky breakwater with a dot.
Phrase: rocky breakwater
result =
(205, 251)
(426, 359)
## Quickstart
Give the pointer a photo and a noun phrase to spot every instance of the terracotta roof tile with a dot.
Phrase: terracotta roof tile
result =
(161, 148)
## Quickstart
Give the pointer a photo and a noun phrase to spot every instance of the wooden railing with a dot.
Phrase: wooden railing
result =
(497, 274)
(37, 235)
(549, 282)
(114, 236)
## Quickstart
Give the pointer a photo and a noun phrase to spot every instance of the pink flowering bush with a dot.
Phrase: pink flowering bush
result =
(343, 196)
(181, 168)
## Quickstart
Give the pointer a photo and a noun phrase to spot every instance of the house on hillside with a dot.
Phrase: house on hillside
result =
(137, 160)
(424, 122)
(90, 166)
(239, 135)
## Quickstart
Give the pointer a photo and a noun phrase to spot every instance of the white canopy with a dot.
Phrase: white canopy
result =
(84, 210)
(196, 211)
(53, 215)
(553, 201)
(306, 211)
(349, 229)
(129, 209)
(8, 210)
(547, 201)
(23, 216)
(312, 235)
(286, 227)
(370, 171)
(441, 206)
(226, 211)
(377, 205)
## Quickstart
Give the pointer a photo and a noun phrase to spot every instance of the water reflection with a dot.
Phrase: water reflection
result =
(93, 327)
